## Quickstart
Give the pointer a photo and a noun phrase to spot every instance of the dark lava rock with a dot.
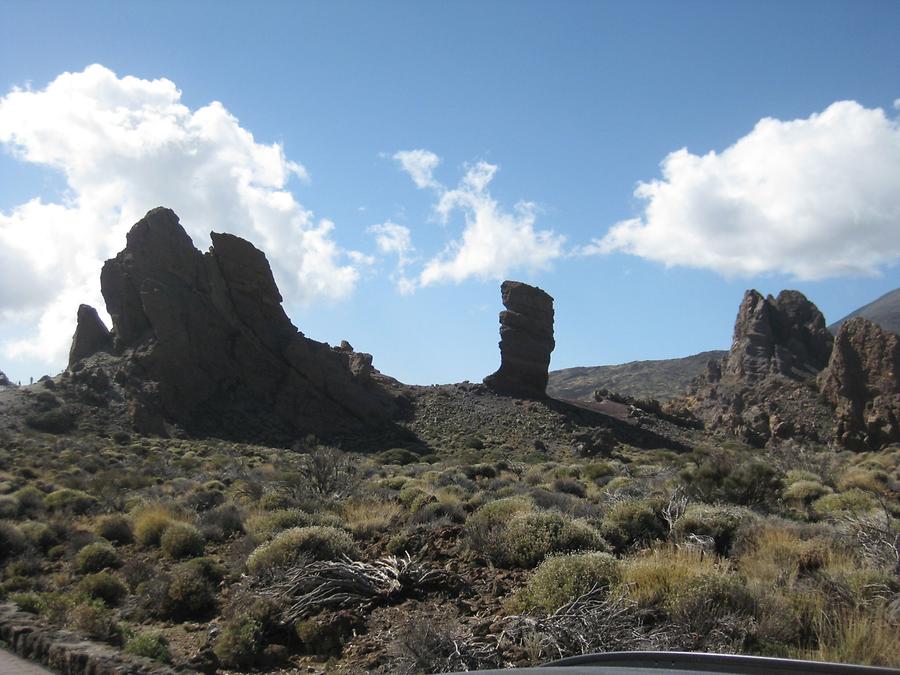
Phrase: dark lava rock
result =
(4, 381)
(209, 347)
(784, 335)
(526, 341)
(91, 335)
(863, 383)
(763, 389)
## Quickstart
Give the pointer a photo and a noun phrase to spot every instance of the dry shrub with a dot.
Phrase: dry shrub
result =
(859, 636)
(367, 517)
(653, 578)
(777, 556)
(151, 521)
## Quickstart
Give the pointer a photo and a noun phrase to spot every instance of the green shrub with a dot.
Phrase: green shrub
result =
(276, 500)
(853, 501)
(30, 499)
(115, 528)
(753, 483)
(631, 523)
(188, 592)
(40, 535)
(474, 471)
(149, 645)
(94, 620)
(596, 470)
(569, 486)
(12, 541)
(182, 540)
(104, 586)
(719, 522)
(563, 578)
(9, 507)
(96, 557)
(318, 543)
(485, 528)
(70, 501)
(222, 522)
(702, 604)
(805, 491)
(242, 639)
(57, 421)
(263, 526)
(26, 602)
(531, 536)
(400, 456)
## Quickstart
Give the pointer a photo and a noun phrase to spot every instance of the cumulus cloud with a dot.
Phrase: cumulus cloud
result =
(813, 198)
(494, 241)
(125, 145)
(420, 165)
(394, 239)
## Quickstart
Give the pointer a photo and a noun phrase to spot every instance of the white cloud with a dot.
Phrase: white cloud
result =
(395, 239)
(494, 242)
(420, 165)
(813, 198)
(126, 145)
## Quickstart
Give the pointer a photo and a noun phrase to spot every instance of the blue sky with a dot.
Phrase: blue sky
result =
(570, 105)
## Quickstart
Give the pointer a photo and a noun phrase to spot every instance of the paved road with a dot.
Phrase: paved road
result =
(10, 664)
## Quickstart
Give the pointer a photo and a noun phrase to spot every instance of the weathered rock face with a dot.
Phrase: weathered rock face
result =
(863, 383)
(784, 335)
(526, 341)
(4, 381)
(209, 332)
(91, 335)
(763, 390)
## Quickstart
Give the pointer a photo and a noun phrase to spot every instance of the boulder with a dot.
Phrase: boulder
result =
(862, 382)
(526, 341)
(91, 335)
(210, 334)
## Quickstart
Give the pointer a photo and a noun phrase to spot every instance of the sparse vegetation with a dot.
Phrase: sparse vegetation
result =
(289, 553)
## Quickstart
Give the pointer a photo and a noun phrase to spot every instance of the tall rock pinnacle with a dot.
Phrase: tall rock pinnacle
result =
(526, 341)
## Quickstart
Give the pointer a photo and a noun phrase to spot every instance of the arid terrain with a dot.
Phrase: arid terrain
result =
(206, 489)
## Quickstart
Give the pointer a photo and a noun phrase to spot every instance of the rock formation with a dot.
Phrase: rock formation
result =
(762, 390)
(4, 381)
(863, 383)
(91, 335)
(208, 346)
(526, 341)
(784, 335)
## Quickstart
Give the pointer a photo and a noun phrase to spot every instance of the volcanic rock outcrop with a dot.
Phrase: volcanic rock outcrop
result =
(207, 346)
(863, 383)
(763, 390)
(526, 341)
(91, 335)
(784, 335)
(4, 381)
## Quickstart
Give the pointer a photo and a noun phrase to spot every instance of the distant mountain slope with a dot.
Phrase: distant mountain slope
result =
(885, 311)
(662, 379)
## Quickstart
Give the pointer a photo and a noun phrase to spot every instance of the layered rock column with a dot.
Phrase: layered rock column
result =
(526, 341)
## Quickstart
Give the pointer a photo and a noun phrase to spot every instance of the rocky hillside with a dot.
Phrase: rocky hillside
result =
(885, 311)
(660, 379)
